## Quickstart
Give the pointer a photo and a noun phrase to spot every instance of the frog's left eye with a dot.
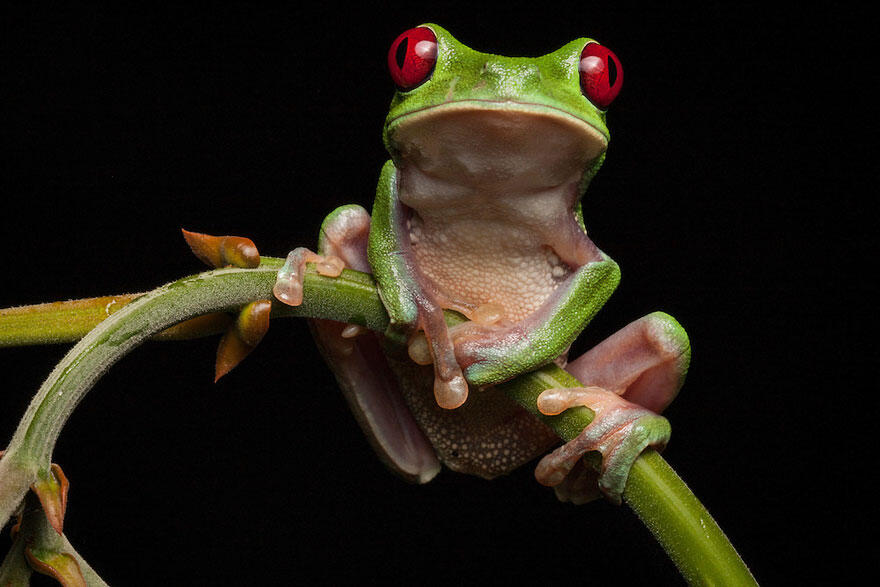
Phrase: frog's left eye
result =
(601, 74)
(412, 56)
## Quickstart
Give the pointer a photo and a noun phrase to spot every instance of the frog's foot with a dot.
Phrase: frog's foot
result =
(435, 345)
(644, 364)
(342, 243)
(438, 344)
(289, 282)
(450, 386)
(620, 431)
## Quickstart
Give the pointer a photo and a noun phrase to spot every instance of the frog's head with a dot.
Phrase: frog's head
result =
(444, 84)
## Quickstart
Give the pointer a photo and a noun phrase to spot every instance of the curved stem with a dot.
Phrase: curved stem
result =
(351, 298)
(678, 520)
(682, 525)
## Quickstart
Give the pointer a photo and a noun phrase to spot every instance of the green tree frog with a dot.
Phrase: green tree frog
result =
(479, 212)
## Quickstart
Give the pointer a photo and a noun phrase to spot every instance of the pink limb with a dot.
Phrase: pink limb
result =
(629, 377)
(288, 286)
(360, 366)
(620, 431)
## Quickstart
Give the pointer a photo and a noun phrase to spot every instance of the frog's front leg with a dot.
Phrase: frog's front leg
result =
(630, 377)
(288, 286)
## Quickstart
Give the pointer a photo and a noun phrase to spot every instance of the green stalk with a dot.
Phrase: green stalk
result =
(676, 518)
(351, 298)
(57, 322)
(70, 321)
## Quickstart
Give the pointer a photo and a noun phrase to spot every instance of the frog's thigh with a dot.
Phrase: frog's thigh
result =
(645, 362)
(370, 388)
(360, 365)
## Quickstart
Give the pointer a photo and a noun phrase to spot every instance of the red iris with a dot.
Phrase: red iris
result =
(412, 56)
(601, 74)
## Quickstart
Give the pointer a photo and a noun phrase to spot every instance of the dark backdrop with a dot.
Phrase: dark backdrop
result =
(730, 197)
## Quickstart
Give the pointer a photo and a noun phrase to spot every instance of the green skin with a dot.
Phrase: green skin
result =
(510, 109)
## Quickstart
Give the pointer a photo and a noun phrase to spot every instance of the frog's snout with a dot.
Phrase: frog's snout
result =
(507, 82)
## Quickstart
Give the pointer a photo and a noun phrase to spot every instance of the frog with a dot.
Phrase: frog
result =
(478, 216)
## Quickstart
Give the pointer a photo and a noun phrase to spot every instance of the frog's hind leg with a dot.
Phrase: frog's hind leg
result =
(629, 377)
(645, 362)
(360, 366)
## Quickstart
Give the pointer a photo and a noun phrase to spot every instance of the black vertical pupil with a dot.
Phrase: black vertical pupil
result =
(400, 56)
(612, 71)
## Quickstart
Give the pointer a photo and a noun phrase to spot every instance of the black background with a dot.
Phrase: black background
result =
(731, 198)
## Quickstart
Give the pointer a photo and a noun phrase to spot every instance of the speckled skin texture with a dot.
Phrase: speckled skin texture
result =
(488, 436)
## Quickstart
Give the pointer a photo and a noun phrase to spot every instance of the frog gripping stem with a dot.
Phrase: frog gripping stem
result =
(289, 284)
(450, 386)
(620, 431)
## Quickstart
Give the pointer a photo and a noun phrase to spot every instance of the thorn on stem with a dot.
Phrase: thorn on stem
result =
(223, 251)
(242, 337)
(59, 565)
(52, 490)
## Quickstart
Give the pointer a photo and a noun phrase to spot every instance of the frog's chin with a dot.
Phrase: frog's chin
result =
(510, 147)
(488, 207)
(589, 124)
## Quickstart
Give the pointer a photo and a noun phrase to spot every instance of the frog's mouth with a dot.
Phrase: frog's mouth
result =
(489, 220)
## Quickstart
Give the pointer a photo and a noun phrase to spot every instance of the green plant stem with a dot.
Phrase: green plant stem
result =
(70, 321)
(678, 520)
(351, 298)
(57, 322)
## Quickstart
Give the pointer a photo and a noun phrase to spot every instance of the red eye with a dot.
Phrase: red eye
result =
(412, 57)
(601, 74)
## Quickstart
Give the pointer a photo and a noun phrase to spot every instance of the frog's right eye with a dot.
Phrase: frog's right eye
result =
(601, 74)
(412, 56)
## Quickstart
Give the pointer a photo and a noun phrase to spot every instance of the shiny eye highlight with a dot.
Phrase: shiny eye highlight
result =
(601, 74)
(411, 57)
